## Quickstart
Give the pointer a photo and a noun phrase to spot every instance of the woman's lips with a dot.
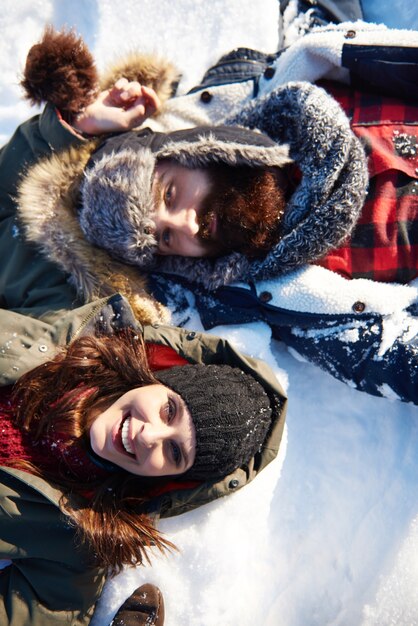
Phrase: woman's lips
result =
(126, 441)
(121, 433)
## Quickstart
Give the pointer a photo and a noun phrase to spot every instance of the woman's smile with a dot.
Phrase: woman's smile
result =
(148, 431)
(124, 431)
(120, 438)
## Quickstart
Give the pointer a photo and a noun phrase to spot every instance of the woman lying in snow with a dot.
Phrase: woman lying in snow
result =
(360, 331)
(43, 327)
(98, 443)
(72, 507)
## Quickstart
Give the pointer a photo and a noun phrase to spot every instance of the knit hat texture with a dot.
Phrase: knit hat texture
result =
(231, 412)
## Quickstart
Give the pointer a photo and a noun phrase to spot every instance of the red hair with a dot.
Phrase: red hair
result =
(61, 394)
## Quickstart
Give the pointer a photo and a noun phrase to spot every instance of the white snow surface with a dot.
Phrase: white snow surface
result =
(328, 533)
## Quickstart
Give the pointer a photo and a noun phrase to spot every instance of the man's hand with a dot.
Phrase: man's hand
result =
(123, 107)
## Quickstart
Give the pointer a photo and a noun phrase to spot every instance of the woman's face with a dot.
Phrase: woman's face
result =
(148, 431)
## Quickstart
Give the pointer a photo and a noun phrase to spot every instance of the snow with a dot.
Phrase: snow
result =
(328, 533)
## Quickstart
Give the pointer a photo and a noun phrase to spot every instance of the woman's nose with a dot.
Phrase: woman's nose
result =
(151, 435)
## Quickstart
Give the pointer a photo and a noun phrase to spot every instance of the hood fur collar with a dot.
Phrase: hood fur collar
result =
(47, 199)
(326, 205)
(117, 201)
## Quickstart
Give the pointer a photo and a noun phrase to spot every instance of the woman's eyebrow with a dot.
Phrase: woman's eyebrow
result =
(184, 454)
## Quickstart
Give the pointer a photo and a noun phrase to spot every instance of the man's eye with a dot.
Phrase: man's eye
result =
(176, 453)
(168, 195)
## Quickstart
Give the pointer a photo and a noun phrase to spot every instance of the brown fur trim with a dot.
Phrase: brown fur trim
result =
(60, 69)
(47, 201)
(148, 70)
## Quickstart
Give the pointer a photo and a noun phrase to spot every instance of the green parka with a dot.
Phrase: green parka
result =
(51, 580)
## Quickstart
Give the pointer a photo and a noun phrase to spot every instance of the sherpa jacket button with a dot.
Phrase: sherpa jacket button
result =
(265, 296)
(359, 306)
(350, 34)
(206, 97)
(269, 72)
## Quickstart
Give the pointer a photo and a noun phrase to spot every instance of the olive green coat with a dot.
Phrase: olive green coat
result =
(50, 580)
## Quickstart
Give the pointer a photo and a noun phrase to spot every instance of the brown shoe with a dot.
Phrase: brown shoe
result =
(145, 607)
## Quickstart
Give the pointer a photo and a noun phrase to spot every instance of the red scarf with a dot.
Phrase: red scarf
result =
(51, 453)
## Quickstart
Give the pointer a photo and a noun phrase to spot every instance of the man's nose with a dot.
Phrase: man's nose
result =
(187, 222)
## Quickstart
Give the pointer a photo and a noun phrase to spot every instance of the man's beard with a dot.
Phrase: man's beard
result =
(238, 230)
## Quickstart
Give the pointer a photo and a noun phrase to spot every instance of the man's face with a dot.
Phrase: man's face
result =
(178, 194)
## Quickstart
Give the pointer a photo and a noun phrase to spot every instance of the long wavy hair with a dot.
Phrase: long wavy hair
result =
(109, 516)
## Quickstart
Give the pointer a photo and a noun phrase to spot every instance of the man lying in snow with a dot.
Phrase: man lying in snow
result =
(104, 192)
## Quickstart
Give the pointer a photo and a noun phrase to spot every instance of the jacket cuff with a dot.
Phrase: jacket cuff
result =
(56, 131)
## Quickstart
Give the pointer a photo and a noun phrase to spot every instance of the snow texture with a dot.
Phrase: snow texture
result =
(328, 533)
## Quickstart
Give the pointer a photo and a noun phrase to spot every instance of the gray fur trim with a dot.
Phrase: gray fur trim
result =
(116, 192)
(325, 206)
(207, 149)
(211, 273)
(116, 205)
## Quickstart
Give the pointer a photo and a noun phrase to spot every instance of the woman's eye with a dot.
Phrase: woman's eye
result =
(176, 453)
(170, 410)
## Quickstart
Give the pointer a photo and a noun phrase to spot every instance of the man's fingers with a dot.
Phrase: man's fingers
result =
(142, 107)
(126, 105)
(135, 114)
(121, 83)
(152, 101)
(131, 95)
(123, 91)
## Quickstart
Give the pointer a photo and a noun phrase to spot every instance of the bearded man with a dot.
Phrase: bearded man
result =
(209, 204)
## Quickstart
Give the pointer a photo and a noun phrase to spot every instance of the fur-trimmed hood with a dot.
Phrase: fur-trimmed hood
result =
(102, 193)
(325, 206)
(321, 213)
(47, 207)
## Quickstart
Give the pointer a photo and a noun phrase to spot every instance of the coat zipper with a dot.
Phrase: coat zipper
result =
(87, 319)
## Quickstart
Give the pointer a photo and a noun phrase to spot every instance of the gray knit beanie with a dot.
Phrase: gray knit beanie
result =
(231, 412)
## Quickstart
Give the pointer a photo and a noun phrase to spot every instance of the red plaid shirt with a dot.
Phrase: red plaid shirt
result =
(384, 243)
